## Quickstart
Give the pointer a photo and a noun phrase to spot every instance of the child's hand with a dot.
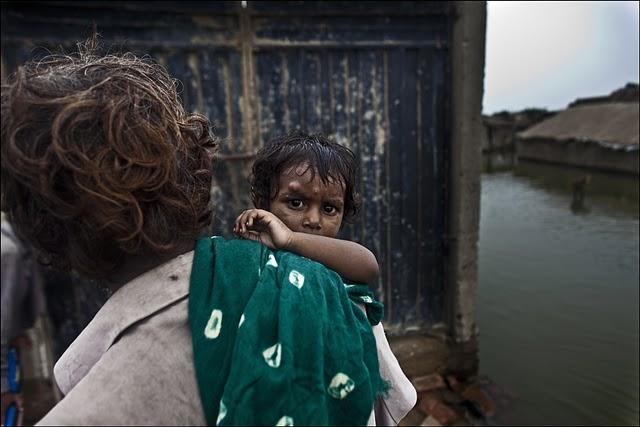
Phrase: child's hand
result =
(264, 227)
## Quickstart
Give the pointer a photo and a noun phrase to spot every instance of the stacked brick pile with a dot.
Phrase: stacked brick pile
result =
(447, 401)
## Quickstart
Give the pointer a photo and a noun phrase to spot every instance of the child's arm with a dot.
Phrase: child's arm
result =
(349, 259)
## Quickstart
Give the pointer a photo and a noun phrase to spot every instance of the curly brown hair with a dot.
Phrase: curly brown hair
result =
(329, 159)
(100, 160)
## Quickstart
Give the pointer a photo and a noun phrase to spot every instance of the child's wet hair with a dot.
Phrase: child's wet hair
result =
(100, 160)
(330, 160)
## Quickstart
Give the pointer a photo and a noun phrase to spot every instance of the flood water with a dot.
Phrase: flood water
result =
(558, 296)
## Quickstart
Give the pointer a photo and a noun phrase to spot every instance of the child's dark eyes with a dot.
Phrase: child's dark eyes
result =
(298, 204)
(295, 203)
(330, 210)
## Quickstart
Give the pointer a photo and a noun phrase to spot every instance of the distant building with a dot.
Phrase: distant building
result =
(499, 139)
(596, 133)
(629, 93)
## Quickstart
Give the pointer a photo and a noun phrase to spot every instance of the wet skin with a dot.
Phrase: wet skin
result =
(306, 204)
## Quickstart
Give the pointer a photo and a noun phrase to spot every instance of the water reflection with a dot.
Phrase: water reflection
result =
(615, 191)
(558, 294)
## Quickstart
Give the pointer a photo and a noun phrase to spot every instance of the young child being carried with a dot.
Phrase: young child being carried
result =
(303, 187)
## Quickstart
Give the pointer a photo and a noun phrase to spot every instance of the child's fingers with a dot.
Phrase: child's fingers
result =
(236, 224)
(253, 235)
(243, 221)
(255, 220)
(249, 219)
(240, 224)
(250, 235)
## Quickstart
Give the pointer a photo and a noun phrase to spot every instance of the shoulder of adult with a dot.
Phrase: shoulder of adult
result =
(145, 378)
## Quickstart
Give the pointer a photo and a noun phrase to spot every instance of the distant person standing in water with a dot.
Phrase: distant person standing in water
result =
(579, 190)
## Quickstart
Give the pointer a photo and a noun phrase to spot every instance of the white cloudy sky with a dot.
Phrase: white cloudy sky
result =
(546, 54)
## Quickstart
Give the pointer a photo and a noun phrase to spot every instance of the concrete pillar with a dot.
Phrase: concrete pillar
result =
(467, 67)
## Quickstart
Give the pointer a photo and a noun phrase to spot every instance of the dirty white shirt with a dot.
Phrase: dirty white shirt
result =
(133, 364)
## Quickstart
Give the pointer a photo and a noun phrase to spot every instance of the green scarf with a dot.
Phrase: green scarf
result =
(277, 340)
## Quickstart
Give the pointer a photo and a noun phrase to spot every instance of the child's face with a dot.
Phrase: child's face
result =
(306, 205)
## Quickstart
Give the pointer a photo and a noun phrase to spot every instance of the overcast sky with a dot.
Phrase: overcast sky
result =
(546, 54)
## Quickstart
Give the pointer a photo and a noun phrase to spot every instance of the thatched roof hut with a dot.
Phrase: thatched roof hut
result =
(600, 135)
(614, 125)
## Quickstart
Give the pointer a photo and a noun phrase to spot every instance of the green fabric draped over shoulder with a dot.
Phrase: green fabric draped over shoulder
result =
(278, 340)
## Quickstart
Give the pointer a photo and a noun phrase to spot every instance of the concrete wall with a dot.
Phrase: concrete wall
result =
(577, 153)
(468, 50)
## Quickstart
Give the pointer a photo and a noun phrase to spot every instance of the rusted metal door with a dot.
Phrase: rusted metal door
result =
(372, 75)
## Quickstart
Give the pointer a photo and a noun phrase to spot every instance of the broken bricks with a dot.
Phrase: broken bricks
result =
(432, 404)
(428, 383)
(475, 394)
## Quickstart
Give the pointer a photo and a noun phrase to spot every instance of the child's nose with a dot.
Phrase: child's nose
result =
(312, 219)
